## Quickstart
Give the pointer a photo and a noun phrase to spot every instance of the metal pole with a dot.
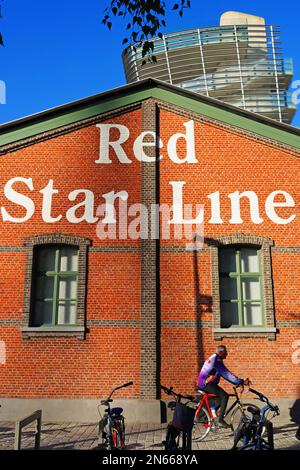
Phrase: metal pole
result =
(135, 64)
(167, 59)
(276, 74)
(202, 60)
(240, 67)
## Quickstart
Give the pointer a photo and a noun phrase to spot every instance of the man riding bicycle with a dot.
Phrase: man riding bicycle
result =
(209, 377)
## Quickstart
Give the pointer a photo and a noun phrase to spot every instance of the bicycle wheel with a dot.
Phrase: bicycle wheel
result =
(269, 415)
(242, 433)
(117, 437)
(172, 438)
(122, 426)
(236, 415)
(268, 443)
(102, 432)
(201, 428)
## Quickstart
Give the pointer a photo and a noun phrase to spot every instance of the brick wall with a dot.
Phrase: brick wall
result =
(110, 354)
(228, 161)
(120, 340)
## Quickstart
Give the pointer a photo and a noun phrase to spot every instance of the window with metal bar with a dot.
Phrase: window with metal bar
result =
(240, 281)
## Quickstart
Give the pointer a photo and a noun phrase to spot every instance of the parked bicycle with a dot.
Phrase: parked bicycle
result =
(252, 428)
(178, 435)
(112, 425)
(206, 416)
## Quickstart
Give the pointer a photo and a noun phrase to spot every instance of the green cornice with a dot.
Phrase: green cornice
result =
(139, 91)
(218, 112)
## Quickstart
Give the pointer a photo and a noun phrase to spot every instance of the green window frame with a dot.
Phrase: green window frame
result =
(239, 307)
(55, 286)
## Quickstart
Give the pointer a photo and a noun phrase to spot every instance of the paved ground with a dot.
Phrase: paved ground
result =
(138, 437)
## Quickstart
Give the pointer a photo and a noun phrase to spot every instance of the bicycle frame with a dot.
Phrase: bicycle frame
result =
(253, 439)
(259, 442)
(236, 401)
(205, 399)
(114, 420)
(114, 423)
(173, 433)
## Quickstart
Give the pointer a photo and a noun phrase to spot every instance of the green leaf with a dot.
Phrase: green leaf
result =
(109, 24)
(124, 41)
(175, 7)
(1, 40)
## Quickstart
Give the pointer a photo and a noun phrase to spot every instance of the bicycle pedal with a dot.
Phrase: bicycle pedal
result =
(215, 427)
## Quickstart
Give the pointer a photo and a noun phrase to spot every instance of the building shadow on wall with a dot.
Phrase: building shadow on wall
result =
(203, 304)
(295, 414)
(295, 409)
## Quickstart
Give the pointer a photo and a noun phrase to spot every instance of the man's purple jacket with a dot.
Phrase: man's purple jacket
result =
(213, 369)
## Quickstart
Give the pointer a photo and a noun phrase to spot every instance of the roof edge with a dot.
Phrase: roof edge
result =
(58, 112)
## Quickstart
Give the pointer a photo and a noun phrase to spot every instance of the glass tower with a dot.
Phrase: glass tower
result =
(239, 62)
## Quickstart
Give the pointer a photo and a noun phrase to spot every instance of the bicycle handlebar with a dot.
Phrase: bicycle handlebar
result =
(169, 391)
(265, 399)
(259, 394)
(128, 384)
(118, 388)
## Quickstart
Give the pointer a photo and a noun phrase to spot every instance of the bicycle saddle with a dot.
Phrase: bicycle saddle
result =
(116, 411)
(201, 391)
(253, 410)
(172, 404)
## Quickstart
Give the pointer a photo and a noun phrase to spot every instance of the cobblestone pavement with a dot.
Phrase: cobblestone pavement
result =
(138, 437)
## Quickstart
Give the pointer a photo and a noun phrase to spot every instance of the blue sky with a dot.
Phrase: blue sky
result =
(57, 51)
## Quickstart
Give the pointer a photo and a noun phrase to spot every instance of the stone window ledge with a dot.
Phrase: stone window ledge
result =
(251, 332)
(52, 331)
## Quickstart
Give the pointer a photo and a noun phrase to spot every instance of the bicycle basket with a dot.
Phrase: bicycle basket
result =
(183, 417)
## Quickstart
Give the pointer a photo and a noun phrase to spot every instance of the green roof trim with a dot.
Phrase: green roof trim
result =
(139, 91)
(228, 117)
(69, 117)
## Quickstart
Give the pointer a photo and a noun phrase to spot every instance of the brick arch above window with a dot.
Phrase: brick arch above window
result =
(61, 240)
(240, 239)
(265, 244)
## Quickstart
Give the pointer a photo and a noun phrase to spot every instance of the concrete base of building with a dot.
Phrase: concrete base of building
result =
(78, 410)
(85, 410)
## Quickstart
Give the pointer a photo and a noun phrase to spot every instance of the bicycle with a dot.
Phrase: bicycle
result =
(178, 435)
(112, 425)
(206, 419)
(251, 429)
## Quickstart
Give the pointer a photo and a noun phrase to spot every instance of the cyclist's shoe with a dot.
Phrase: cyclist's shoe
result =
(223, 424)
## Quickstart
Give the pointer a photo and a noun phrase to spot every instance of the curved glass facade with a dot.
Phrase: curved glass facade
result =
(239, 64)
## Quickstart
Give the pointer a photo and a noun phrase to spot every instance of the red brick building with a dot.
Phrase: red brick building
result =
(80, 314)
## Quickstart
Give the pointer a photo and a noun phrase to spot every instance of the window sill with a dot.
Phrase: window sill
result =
(52, 331)
(254, 332)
